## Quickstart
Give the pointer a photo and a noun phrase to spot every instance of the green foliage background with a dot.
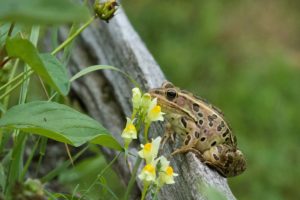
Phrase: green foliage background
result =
(243, 56)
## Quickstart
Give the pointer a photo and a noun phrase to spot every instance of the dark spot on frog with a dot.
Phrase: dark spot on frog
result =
(197, 134)
(200, 114)
(202, 139)
(210, 124)
(205, 131)
(196, 107)
(214, 116)
(213, 144)
(156, 92)
(187, 140)
(216, 157)
(225, 133)
(227, 139)
(219, 128)
(183, 121)
(200, 122)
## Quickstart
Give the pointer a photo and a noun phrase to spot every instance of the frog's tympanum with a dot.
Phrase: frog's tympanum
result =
(202, 128)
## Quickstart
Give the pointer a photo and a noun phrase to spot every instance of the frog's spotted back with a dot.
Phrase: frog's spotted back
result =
(202, 127)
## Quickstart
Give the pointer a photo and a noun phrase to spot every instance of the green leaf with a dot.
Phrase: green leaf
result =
(45, 65)
(42, 11)
(58, 122)
(57, 72)
(4, 28)
(101, 67)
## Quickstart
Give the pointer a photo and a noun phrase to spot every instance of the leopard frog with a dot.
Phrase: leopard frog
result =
(202, 128)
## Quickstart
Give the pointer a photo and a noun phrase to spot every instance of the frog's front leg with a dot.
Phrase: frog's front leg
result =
(169, 134)
(191, 138)
(227, 160)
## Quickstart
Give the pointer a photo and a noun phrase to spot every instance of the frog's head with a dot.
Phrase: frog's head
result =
(167, 97)
(227, 160)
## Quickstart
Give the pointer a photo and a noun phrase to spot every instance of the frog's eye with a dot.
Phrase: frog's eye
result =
(171, 94)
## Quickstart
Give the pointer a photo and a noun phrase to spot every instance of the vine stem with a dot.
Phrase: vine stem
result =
(132, 178)
(71, 38)
(146, 129)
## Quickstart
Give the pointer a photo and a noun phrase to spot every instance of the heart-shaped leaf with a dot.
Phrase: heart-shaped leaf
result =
(58, 122)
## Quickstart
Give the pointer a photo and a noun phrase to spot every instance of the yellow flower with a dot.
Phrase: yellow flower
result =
(166, 173)
(129, 131)
(148, 173)
(150, 150)
(154, 112)
(136, 98)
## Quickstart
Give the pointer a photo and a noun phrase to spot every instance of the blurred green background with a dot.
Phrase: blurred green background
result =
(243, 56)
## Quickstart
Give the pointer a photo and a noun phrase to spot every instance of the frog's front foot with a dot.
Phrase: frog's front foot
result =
(169, 134)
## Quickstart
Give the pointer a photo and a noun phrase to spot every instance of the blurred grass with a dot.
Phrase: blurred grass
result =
(244, 56)
(80, 178)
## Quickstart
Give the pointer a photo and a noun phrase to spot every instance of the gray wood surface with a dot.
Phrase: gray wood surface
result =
(106, 96)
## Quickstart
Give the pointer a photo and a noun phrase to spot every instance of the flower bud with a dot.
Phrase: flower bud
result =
(106, 10)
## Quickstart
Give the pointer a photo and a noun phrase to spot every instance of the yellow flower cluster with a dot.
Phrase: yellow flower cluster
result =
(165, 172)
(157, 170)
(147, 110)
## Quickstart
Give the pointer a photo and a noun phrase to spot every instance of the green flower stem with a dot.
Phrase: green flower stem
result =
(135, 111)
(146, 186)
(156, 192)
(146, 130)
(132, 178)
(72, 37)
